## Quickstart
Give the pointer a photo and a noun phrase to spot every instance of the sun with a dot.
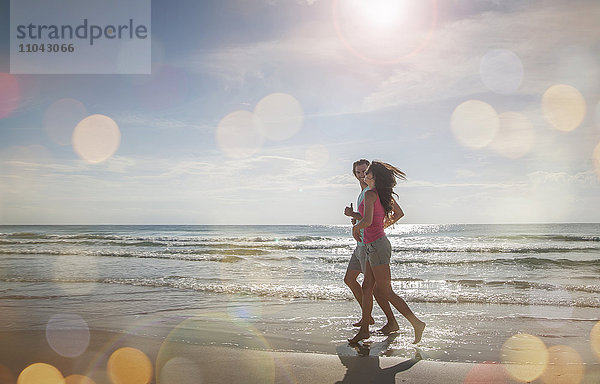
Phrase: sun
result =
(381, 13)
(384, 31)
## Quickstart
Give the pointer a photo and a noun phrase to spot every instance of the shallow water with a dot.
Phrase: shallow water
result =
(280, 287)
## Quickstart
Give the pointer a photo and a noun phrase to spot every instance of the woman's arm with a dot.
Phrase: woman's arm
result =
(349, 211)
(397, 214)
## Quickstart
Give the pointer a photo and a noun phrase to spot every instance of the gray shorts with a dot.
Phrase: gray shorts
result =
(358, 260)
(379, 252)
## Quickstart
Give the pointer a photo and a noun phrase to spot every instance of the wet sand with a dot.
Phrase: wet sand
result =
(168, 359)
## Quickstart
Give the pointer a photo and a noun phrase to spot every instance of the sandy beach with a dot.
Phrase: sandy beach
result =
(182, 186)
(268, 305)
(172, 358)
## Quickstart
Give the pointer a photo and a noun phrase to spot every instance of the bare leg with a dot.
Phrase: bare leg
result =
(382, 276)
(367, 305)
(350, 280)
(391, 325)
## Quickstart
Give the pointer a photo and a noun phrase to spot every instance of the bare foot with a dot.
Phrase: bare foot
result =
(418, 331)
(361, 335)
(359, 322)
(389, 328)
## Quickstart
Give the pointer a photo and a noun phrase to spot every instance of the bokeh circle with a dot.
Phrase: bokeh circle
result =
(515, 137)
(475, 123)
(40, 373)
(237, 135)
(129, 365)
(68, 334)
(565, 366)
(501, 71)
(10, 94)
(595, 339)
(563, 107)
(278, 116)
(524, 357)
(96, 138)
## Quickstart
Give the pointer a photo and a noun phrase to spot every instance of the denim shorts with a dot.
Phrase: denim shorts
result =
(379, 252)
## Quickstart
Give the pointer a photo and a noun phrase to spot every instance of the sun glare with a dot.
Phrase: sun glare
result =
(384, 31)
(381, 13)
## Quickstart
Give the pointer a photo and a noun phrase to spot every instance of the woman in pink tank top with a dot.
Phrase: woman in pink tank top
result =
(375, 230)
(379, 209)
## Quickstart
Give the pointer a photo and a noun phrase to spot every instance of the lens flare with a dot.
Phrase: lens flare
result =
(383, 13)
(565, 366)
(182, 371)
(68, 334)
(129, 366)
(78, 379)
(515, 136)
(563, 107)
(40, 373)
(61, 118)
(96, 138)
(487, 372)
(237, 135)
(524, 357)
(475, 123)
(278, 116)
(501, 71)
(217, 329)
(384, 31)
(596, 159)
(96, 365)
(595, 339)
(10, 94)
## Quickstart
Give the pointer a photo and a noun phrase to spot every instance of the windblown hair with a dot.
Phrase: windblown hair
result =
(385, 180)
(357, 163)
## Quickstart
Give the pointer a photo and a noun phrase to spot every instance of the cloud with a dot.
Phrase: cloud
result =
(239, 64)
(311, 57)
(417, 184)
(169, 170)
(544, 179)
(449, 67)
(267, 174)
(154, 122)
(538, 196)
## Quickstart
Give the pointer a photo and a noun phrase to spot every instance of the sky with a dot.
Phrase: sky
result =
(256, 109)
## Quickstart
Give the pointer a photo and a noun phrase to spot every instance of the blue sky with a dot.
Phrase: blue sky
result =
(403, 83)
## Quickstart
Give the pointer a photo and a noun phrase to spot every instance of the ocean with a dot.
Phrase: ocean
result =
(281, 287)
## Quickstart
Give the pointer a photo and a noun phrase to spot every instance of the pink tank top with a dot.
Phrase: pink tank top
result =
(375, 230)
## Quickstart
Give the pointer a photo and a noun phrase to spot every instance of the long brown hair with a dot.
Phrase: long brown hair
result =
(385, 180)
